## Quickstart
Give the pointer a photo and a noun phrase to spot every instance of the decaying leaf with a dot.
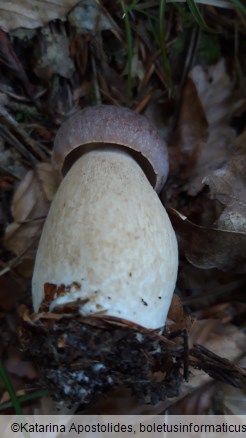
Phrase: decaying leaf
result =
(52, 55)
(231, 400)
(190, 135)
(177, 316)
(89, 16)
(215, 90)
(206, 247)
(48, 180)
(218, 163)
(228, 185)
(31, 14)
(226, 340)
(29, 209)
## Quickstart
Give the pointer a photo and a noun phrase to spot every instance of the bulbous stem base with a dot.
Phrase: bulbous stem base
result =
(108, 242)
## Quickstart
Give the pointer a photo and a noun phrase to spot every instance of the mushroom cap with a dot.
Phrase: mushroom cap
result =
(108, 239)
(107, 124)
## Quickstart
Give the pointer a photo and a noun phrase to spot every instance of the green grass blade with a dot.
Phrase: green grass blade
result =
(131, 6)
(9, 387)
(239, 6)
(129, 51)
(198, 17)
(217, 3)
(15, 402)
(25, 398)
(166, 63)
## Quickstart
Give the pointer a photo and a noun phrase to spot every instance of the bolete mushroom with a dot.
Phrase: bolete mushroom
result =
(106, 266)
(107, 241)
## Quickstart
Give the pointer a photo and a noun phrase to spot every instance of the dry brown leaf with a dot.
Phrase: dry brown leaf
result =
(228, 185)
(232, 400)
(29, 208)
(215, 90)
(177, 315)
(210, 247)
(89, 16)
(48, 180)
(190, 135)
(225, 340)
(52, 55)
(31, 14)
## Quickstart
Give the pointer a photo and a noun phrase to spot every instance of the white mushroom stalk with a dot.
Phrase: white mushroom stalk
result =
(107, 242)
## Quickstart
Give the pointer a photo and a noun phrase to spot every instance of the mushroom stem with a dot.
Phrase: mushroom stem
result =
(108, 242)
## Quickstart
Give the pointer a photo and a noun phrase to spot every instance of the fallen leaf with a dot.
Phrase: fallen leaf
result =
(180, 320)
(234, 400)
(231, 400)
(206, 247)
(30, 206)
(190, 135)
(48, 180)
(52, 55)
(225, 340)
(215, 90)
(228, 185)
(89, 16)
(31, 14)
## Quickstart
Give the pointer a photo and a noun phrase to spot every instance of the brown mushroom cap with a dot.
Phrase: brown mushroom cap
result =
(107, 124)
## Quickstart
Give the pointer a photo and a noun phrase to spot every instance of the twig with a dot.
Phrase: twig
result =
(35, 148)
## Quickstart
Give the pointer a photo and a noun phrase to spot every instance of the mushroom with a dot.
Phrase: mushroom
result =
(107, 243)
